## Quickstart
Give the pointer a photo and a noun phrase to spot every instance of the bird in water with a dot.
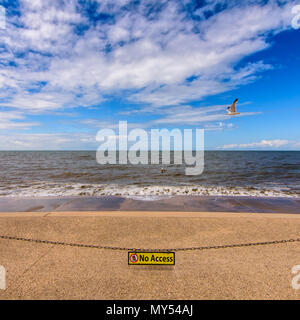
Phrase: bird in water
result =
(163, 170)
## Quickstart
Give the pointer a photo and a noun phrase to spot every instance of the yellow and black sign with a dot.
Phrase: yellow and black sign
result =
(151, 258)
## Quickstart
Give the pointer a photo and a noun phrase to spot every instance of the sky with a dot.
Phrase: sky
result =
(69, 68)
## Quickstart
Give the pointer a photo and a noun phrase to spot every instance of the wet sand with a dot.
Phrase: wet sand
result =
(47, 271)
(177, 203)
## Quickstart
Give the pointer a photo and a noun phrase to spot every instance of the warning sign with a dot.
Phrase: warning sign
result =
(151, 258)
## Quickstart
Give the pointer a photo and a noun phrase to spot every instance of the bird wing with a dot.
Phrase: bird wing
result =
(233, 106)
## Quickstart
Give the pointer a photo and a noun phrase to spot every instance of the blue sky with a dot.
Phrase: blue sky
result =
(69, 68)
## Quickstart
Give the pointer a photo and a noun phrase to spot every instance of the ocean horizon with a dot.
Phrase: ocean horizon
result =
(77, 173)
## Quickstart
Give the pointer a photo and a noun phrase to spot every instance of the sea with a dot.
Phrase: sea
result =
(77, 173)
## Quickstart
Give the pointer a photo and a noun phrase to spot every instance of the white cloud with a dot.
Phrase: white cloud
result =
(159, 51)
(187, 115)
(63, 60)
(263, 144)
(211, 118)
(14, 120)
(98, 124)
(218, 126)
(55, 141)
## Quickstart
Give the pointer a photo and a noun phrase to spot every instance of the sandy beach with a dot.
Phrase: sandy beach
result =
(49, 271)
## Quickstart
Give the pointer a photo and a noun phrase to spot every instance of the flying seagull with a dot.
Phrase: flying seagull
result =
(231, 111)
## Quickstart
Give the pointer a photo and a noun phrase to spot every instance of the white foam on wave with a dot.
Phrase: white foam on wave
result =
(37, 189)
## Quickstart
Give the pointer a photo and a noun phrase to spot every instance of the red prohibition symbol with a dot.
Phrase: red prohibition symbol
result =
(134, 258)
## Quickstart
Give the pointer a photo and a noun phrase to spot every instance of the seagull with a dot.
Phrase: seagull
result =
(231, 111)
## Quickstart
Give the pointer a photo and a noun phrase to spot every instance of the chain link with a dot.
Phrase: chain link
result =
(150, 250)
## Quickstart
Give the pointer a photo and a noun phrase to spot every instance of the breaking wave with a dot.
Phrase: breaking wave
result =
(150, 192)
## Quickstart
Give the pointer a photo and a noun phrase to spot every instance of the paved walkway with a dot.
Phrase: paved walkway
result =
(43, 271)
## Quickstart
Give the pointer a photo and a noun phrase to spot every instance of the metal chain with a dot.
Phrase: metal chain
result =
(150, 250)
